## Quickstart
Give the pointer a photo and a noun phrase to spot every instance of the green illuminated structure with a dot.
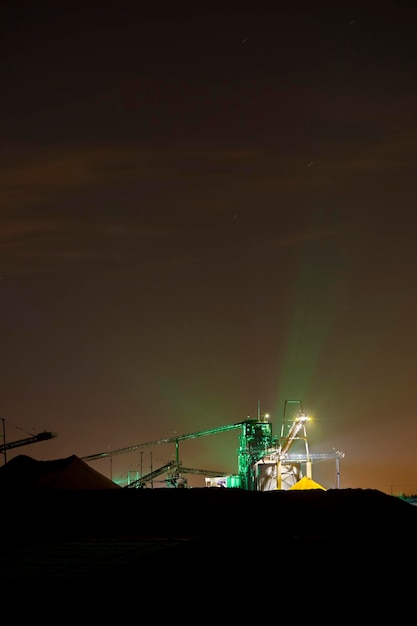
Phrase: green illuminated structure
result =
(255, 441)
(264, 461)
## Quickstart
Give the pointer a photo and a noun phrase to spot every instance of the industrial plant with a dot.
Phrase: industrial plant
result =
(265, 461)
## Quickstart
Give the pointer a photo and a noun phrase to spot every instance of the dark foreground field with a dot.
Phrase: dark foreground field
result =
(98, 550)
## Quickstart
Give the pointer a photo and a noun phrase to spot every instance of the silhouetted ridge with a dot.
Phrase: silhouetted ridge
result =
(25, 473)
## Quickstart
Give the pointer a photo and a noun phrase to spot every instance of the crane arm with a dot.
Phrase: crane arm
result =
(25, 442)
(213, 473)
(301, 458)
(157, 442)
(211, 431)
(298, 423)
(148, 477)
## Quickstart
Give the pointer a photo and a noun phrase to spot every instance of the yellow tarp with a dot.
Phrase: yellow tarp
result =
(307, 483)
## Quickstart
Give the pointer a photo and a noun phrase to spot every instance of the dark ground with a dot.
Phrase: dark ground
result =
(96, 550)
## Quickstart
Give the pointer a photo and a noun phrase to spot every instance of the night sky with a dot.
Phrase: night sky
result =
(207, 208)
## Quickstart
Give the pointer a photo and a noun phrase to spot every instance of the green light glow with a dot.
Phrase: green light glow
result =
(311, 314)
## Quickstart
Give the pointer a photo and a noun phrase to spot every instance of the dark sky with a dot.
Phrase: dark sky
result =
(207, 208)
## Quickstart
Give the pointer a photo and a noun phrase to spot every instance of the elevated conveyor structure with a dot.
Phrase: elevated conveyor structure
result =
(173, 469)
(43, 436)
(265, 462)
